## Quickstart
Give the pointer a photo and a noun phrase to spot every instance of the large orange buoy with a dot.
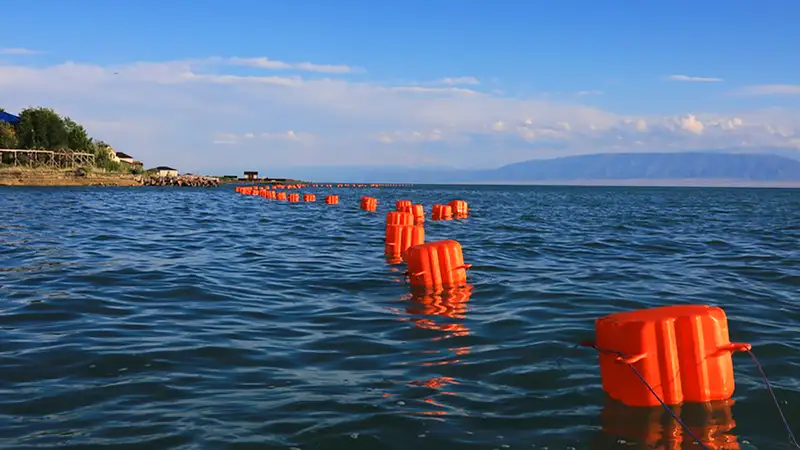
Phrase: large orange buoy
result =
(309, 197)
(402, 204)
(369, 203)
(332, 199)
(460, 208)
(400, 237)
(441, 212)
(399, 218)
(682, 352)
(436, 264)
(280, 195)
(294, 197)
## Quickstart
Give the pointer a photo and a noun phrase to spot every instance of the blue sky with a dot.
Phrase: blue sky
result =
(470, 84)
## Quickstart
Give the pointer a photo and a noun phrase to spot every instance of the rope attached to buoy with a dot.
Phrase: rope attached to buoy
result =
(630, 362)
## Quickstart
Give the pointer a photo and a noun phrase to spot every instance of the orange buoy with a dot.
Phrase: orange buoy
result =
(682, 352)
(441, 212)
(369, 203)
(417, 210)
(399, 218)
(294, 197)
(436, 264)
(402, 204)
(460, 208)
(400, 237)
(309, 197)
(281, 195)
(332, 199)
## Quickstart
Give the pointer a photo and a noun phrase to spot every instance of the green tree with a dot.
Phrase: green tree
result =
(8, 136)
(77, 138)
(41, 128)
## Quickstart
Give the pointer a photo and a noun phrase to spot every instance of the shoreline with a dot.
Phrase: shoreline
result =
(27, 177)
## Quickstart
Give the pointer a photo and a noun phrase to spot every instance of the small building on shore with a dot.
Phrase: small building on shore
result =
(250, 175)
(8, 118)
(164, 171)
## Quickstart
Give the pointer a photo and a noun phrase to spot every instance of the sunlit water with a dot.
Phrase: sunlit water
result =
(201, 318)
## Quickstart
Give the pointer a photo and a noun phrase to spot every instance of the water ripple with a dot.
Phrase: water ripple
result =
(200, 318)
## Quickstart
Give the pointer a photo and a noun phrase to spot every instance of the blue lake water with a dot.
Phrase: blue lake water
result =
(200, 318)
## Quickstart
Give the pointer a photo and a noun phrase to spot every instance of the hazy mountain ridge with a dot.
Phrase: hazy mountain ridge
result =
(705, 165)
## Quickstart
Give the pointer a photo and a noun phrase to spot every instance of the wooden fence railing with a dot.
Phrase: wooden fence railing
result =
(46, 158)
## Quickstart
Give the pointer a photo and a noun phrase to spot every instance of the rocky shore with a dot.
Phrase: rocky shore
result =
(182, 180)
(15, 176)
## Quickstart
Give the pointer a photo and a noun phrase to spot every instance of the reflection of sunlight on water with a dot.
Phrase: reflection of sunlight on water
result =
(653, 428)
(442, 308)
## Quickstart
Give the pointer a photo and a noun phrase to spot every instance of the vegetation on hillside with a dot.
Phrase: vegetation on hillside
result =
(42, 128)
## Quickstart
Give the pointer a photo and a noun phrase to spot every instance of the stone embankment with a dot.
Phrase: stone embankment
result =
(18, 176)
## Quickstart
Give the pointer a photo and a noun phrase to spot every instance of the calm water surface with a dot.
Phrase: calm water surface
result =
(199, 318)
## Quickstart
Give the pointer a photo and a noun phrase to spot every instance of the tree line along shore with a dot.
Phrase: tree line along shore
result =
(39, 147)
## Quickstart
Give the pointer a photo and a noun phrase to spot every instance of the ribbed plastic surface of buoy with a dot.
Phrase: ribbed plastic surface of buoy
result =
(400, 237)
(309, 197)
(332, 199)
(402, 204)
(436, 265)
(369, 203)
(399, 218)
(683, 352)
(294, 197)
(441, 212)
(281, 195)
(417, 210)
(460, 208)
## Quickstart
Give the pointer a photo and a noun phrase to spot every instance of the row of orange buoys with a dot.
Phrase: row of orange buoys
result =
(432, 266)
(661, 356)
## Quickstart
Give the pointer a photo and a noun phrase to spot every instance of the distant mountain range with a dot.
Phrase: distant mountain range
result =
(723, 167)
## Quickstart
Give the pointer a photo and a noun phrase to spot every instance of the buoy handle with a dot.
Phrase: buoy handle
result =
(737, 347)
(465, 266)
(631, 359)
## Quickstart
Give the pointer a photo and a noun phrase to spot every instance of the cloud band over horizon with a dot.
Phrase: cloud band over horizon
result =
(256, 111)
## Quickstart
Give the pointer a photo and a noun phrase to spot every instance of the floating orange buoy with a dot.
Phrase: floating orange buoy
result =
(294, 197)
(369, 203)
(436, 264)
(280, 195)
(400, 237)
(460, 208)
(402, 204)
(417, 210)
(441, 212)
(309, 198)
(682, 352)
(399, 218)
(332, 199)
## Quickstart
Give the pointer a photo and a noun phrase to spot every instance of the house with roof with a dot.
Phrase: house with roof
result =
(164, 171)
(8, 118)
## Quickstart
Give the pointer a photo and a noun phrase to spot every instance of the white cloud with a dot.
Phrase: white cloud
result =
(18, 51)
(191, 113)
(770, 89)
(266, 63)
(241, 138)
(460, 81)
(589, 92)
(694, 79)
